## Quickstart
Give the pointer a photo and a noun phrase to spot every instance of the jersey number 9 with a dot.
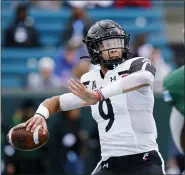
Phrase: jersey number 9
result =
(109, 115)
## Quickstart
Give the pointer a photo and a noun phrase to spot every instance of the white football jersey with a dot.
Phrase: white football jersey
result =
(125, 122)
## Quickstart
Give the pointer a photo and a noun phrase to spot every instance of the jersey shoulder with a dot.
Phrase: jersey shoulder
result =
(91, 75)
(138, 63)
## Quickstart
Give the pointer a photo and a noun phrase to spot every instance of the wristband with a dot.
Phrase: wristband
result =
(40, 115)
(100, 95)
(42, 111)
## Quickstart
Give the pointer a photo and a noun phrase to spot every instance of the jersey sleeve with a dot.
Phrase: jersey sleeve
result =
(141, 64)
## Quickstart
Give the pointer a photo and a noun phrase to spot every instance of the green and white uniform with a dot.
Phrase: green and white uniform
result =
(173, 93)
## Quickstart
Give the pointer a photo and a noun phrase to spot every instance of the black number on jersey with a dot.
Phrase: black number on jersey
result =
(109, 115)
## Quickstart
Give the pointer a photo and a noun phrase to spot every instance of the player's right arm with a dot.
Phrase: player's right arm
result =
(51, 106)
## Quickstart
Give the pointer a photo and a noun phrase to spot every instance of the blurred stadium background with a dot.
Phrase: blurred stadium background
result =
(41, 49)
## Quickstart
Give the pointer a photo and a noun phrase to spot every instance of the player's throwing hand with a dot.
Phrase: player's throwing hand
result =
(35, 121)
(90, 97)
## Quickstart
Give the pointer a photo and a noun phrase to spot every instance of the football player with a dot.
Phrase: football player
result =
(121, 99)
(173, 85)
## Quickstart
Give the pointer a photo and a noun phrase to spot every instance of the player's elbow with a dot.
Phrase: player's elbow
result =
(147, 77)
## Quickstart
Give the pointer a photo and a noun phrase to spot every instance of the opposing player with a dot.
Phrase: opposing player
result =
(174, 94)
(121, 98)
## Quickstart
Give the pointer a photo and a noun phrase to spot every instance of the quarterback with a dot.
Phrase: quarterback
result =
(121, 98)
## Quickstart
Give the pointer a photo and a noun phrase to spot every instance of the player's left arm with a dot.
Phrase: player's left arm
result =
(143, 64)
(137, 81)
(141, 74)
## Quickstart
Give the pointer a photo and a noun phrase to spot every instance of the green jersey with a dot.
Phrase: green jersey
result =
(173, 85)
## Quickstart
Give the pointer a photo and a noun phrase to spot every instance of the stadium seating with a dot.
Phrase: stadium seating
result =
(11, 82)
(134, 20)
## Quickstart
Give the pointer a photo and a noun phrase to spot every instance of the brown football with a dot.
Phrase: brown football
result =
(24, 140)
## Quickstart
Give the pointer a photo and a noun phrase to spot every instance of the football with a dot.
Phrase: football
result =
(24, 140)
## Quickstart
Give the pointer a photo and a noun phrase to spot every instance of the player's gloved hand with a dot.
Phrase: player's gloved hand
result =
(90, 97)
(35, 121)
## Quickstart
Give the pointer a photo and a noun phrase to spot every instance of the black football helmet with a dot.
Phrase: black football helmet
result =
(112, 36)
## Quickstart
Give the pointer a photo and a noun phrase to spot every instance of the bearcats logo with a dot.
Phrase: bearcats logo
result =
(145, 157)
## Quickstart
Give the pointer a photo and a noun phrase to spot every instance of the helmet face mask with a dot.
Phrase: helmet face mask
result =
(107, 43)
